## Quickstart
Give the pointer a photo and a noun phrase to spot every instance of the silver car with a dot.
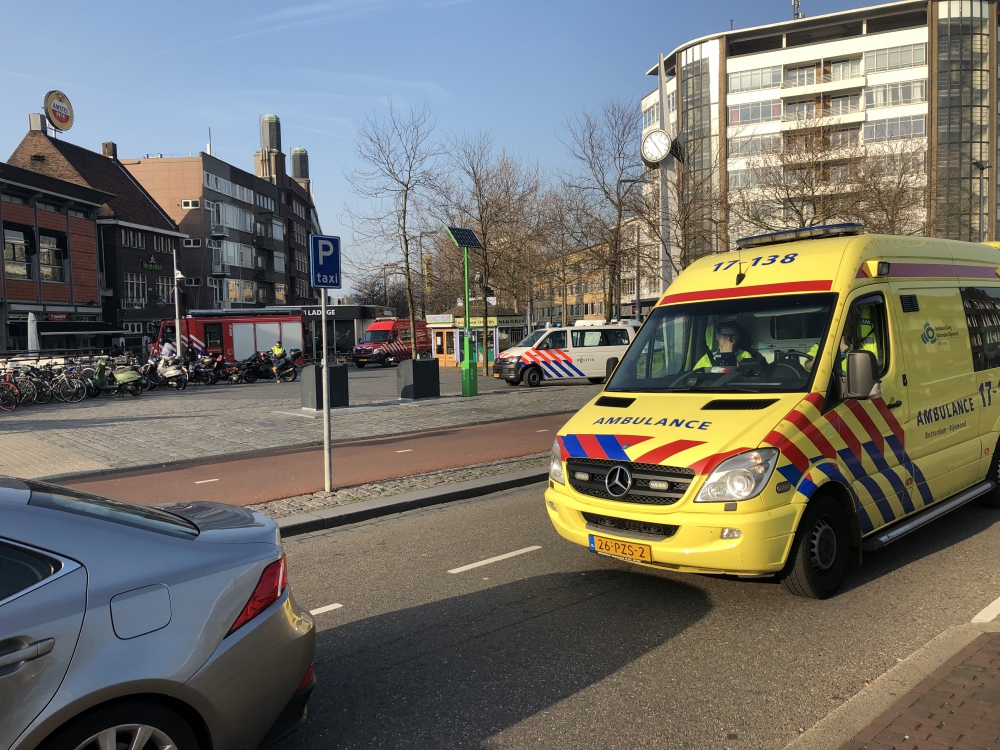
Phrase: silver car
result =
(143, 628)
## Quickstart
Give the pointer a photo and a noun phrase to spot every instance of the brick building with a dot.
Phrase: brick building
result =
(136, 238)
(50, 262)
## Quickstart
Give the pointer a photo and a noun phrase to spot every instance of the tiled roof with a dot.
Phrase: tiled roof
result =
(67, 161)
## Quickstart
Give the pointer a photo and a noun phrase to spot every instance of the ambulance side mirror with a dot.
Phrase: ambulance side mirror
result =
(610, 366)
(861, 374)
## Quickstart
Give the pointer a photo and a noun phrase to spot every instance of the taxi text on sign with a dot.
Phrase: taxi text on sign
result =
(324, 261)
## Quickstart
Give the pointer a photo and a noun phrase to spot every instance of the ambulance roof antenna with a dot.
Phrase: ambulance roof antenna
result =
(796, 13)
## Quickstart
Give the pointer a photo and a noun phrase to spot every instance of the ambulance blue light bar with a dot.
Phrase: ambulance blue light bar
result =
(807, 233)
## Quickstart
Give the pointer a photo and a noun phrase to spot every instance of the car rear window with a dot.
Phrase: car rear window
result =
(107, 509)
(21, 569)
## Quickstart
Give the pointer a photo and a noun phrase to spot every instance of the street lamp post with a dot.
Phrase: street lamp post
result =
(982, 166)
(177, 304)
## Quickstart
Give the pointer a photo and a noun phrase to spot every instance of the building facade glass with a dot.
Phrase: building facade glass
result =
(963, 116)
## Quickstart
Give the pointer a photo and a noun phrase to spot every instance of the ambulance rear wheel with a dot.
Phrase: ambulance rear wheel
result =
(533, 377)
(821, 551)
(992, 498)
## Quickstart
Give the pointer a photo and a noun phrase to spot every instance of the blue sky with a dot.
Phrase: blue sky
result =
(154, 77)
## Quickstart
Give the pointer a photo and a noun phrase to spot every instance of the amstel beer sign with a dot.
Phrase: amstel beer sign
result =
(59, 110)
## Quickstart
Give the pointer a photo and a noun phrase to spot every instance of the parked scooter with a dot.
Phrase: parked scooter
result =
(172, 373)
(117, 382)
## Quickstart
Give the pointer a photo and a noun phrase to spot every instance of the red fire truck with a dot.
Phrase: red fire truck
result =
(238, 334)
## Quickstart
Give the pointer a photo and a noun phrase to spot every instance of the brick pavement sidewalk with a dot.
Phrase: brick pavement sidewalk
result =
(957, 707)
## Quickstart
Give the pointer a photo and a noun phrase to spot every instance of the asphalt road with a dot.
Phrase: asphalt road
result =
(276, 475)
(559, 648)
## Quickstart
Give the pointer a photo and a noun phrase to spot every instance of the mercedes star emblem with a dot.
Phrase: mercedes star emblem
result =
(618, 481)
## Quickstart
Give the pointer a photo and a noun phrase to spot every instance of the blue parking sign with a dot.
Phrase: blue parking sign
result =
(324, 261)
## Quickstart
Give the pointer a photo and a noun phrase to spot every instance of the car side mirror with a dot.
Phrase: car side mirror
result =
(861, 374)
(609, 368)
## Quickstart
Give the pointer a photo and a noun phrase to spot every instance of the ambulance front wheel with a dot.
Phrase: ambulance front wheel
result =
(821, 552)
(533, 377)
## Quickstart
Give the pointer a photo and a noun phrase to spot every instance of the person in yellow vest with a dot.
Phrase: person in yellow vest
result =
(277, 359)
(865, 339)
(726, 353)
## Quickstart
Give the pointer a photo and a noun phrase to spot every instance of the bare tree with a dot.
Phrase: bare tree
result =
(604, 145)
(399, 167)
(495, 194)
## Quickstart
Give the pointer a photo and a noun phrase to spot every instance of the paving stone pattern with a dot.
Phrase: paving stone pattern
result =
(955, 708)
(208, 421)
(390, 487)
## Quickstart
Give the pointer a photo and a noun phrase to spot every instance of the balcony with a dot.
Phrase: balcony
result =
(259, 274)
(821, 117)
(133, 303)
(221, 269)
(262, 241)
(219, 230)
(825, 82)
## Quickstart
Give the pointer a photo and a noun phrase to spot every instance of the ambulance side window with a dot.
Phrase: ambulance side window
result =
(866, 328)
(982, 311)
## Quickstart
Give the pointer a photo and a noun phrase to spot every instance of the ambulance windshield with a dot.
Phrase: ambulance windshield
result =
(374, 337)
(755, 345)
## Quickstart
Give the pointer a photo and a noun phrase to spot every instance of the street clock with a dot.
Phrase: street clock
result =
(655, 147)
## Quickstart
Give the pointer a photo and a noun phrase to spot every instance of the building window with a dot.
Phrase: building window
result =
(78, 214)
(246, 256)
(17, 254)
(280, 293)
(843, 70)
(165, 288)
(755, 80)
(894, 128)
(263, 294)
(895, 94)
(804, 76)
(249, 291)
(224, 186)
(216, 287)
(193, 281)
(844, 137)
(301, 211)
(751, 112)
(301, 288)
(265, 201)
(843, 105)
(52, 257)
(192, 242)
(193, 203)
(135, 291)
(755, 144)
(896, 58)
(279, 262)
(301, 235)
(301, 261)
(278, 230)
(651, 116)
(800, 110)
(14, 199)
(42, 206)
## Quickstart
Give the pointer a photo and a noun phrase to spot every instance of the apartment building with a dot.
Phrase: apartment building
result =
(136, 238)
(50, 262)
(924, 71)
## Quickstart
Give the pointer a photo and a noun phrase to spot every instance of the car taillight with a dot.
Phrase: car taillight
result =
(306, 681)
(271, 585)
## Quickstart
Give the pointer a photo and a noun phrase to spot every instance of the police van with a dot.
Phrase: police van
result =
(582, 351)
(811, 396)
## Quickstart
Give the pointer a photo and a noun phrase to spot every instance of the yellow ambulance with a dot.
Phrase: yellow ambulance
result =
(812, 395)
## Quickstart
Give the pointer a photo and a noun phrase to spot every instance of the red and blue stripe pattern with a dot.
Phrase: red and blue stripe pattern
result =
(555, 363)
(610, 447)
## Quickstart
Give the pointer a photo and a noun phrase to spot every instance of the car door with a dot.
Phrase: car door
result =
(942, 425)
(42, 602)
(549, 354)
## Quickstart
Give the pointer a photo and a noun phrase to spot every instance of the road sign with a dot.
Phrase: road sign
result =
(324, 261)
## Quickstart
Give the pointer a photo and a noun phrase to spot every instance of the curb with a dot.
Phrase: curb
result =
(303, 523)
(841, 725)
(257, 452)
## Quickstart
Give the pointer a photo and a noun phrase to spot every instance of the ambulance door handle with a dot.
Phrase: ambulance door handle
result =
(894, 404)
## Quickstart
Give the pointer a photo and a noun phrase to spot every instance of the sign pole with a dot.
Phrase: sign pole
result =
(327, 461)
(177, 309)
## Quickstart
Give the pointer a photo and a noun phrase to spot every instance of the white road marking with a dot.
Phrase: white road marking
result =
(206, 481)
(541, 430)
(408, 450)
(498, 558)
(327, 608)
(989, 614)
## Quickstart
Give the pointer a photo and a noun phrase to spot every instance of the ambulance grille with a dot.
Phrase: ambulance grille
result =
(617, 402)
(739, 404)
(654, 532)
(597, 469)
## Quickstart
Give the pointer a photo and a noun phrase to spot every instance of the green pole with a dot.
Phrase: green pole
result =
(470, 368)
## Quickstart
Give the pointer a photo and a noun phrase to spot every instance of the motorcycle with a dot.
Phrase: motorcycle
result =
(207, 369)
(150, 376)
(172, 373)
(282, 367)
(115, 382)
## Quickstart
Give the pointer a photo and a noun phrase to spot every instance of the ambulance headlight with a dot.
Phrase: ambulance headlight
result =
(556, 463)
(740, 477)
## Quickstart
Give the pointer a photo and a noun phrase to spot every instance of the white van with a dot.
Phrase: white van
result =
(582, 351)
